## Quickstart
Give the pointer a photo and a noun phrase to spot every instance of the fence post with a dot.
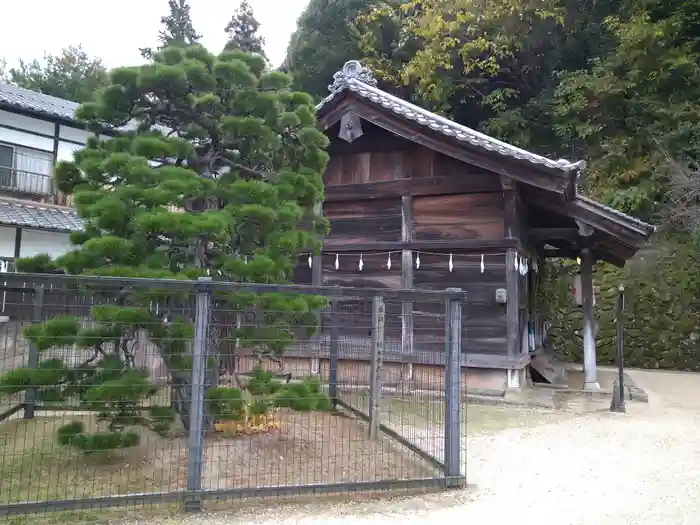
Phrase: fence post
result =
(453, 416)
(31, 395)
(618, 400)
(333, 352)
(375, 380)
(195, 452)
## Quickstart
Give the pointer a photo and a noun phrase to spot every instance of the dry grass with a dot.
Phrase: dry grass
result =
(409, 413)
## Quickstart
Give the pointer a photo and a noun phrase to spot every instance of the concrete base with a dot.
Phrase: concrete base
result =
(516, 379)
(591, 386)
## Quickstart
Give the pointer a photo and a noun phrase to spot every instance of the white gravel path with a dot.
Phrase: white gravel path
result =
(597, 469)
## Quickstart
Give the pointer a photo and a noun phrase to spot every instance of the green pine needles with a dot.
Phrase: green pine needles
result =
(216, 173)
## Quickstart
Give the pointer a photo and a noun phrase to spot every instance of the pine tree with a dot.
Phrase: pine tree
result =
(179, 30)
(243, 30)
(232, 146)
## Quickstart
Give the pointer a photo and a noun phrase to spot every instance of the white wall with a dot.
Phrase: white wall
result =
(35, 242)
(68, 135)
(7, 241)
(26, 139)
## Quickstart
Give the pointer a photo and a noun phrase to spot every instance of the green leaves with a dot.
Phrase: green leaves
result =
(59, 331)
(217, 175)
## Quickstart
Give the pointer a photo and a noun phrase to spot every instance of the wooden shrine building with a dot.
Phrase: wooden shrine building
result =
(426, 203)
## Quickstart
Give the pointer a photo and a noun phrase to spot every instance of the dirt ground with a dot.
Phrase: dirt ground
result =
(590, 466)
(316, 447)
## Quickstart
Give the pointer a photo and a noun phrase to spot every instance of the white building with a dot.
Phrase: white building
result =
(36, 131)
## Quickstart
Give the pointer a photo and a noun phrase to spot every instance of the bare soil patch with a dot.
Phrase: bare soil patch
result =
(309, 448)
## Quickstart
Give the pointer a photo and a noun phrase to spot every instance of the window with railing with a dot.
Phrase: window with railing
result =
(25, 170)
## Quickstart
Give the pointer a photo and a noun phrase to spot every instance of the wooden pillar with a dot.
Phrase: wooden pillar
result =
(590, 375)
(511, 225)
(317, 280)
(317, 262)
(513, 304)
(407, 284)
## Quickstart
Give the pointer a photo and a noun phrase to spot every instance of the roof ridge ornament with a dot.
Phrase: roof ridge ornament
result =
(352, 70)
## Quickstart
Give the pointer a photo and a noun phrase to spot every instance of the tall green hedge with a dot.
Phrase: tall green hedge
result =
(662, 315)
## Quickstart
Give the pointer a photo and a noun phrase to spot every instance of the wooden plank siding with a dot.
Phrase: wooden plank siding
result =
(361, 221)
(484, 320)
(410, 193)
(474, 216)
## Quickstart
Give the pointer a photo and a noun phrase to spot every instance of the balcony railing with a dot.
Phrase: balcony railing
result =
(12, 179)
(30, 177)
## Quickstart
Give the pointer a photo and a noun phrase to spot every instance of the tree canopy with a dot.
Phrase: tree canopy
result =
(324, 40)
(561, 77)
(178, 29)
(219, 175)
(71, 74)
(242, 31)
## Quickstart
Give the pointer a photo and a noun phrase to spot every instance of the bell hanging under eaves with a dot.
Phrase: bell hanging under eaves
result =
(350, 127)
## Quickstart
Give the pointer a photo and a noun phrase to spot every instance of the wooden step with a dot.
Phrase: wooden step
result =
(550, 366)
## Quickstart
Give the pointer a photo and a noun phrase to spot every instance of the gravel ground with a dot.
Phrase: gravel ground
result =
(640, 468)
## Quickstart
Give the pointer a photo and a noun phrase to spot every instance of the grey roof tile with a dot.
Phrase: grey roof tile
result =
(35, 215)
(37, 102)
(358, 79)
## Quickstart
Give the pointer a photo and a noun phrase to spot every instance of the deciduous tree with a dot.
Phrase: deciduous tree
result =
(72, 74)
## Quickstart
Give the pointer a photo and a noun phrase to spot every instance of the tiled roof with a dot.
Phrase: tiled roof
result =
(37, 102)
(586, 201)
(358, 79)
(41, 216)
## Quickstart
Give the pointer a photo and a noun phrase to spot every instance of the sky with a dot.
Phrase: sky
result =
(115, 31)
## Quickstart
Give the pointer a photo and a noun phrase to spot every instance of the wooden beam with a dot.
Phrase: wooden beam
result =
(317, 280)
(456, 245)
(471, 182)
(512, 208)
(537, 235)
(228, 287)
(585, 214)
(407, 278)
(512, 305)
(317, 262)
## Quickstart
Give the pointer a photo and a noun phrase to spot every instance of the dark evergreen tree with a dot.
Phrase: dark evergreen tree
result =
(220, 177)
(243, 30)
(326, 38)
(178, 31)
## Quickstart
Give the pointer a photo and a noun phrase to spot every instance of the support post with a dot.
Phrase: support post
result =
(31, 395)
(375, 379)
(195, 452)
(513, 305)
(590, 379)
(406, 283)
(453, 416)
(334, 349)
(618, 401)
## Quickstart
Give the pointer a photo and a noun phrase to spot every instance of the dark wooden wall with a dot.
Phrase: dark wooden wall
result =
(384, 188)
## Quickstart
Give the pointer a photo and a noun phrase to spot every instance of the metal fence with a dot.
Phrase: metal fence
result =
(263, 402)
